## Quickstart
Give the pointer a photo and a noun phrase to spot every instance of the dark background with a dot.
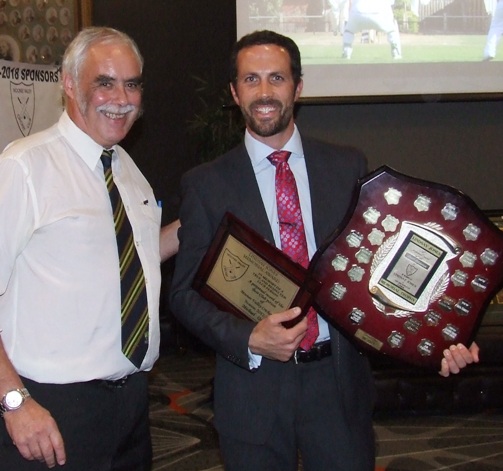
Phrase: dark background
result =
(456, 143)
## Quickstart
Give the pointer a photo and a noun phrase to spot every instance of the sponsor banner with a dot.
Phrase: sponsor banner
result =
(30, 99)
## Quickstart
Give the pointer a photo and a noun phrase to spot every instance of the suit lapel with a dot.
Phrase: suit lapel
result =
(316, 174)
(250, 208)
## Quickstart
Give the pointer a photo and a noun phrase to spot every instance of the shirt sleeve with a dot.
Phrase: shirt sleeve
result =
(254, 360)
(16, 214)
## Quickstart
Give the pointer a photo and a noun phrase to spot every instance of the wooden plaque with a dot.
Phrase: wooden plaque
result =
(244, 274)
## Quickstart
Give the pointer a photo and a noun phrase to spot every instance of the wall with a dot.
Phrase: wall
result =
(458, 144)
(453, 143)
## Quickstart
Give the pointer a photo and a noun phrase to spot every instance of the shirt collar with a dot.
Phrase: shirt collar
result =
(259, 151)
(83, 145)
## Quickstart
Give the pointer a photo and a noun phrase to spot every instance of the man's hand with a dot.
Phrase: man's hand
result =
(458, 357)
(272, 340)
(35, 434)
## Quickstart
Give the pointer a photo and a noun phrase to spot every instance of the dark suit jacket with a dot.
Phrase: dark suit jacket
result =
(245, 400)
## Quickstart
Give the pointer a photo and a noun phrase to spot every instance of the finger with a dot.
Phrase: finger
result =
(48, 455)
(25, 451)
(297, 327)
(36, 451)
(58, 447)
(289, 319)
(287, 315)
(474, 350)
(449, 356)
(466, 354)
(50, 450)
(462, 356)
(444, 368)
(25, 447)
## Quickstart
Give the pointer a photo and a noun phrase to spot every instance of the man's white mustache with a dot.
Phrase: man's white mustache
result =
(116, 109)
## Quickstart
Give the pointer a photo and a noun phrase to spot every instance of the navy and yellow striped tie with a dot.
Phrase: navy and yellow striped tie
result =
(134, 308)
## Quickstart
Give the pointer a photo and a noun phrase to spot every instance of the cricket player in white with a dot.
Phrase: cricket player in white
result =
(495, 29)
(339, 10)
(371, 14)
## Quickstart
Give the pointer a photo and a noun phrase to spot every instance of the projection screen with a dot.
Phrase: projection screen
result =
(442, 46)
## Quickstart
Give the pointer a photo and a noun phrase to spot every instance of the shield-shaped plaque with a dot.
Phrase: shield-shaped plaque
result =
(23, 105)
(411, 269)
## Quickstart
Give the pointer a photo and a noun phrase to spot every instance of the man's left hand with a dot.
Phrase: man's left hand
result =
(457, 357)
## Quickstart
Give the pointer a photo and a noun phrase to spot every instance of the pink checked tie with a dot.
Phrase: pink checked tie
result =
(291, 229)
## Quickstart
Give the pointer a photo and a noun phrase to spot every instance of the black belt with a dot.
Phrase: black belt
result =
(317, 352)
(114, 383)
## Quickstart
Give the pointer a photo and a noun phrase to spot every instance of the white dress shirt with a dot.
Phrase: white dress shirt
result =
(59, 271)
(265, 174)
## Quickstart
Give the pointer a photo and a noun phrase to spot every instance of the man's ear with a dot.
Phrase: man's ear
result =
(234, 94)
(69, 86)
(298, 91)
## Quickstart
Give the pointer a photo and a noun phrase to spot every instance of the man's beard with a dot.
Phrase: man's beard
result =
(270, 127)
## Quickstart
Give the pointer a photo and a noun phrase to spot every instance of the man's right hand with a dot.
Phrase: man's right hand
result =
(272, 340)
(36, 434)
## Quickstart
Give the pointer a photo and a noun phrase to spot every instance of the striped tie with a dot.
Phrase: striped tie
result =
(134, 309)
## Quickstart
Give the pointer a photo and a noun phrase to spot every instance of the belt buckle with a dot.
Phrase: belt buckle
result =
(117, 383)
(295, 359)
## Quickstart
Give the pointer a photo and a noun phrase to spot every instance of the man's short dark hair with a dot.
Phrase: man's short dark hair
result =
(258, 38)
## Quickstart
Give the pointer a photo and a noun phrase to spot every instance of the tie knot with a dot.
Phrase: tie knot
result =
(279, 156)
(106, 158)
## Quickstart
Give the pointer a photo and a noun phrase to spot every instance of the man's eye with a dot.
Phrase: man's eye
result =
(105, 84)
(133, 86)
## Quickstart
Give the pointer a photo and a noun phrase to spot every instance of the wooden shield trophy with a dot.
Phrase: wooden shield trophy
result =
(411, 269)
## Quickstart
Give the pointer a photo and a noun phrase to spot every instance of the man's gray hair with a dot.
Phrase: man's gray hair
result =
(76, 52)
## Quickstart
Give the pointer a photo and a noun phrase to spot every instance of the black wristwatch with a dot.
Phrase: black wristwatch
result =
(13, 400)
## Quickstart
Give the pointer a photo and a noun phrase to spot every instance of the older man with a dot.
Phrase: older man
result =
(80, 278)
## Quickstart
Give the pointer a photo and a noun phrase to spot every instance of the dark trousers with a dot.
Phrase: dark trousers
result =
(310, 422)
(104, 425)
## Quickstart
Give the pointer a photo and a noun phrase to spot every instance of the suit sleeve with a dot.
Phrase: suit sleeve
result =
(222, 331)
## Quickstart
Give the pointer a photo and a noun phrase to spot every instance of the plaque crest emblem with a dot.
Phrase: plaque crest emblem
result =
(22, 97)
(428, 282)
(233, 268)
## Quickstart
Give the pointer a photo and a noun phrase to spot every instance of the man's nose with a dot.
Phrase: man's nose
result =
(265, 89)
(120, 94)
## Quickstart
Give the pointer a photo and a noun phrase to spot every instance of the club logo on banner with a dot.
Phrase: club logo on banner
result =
(23, 103)
(30, 99)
